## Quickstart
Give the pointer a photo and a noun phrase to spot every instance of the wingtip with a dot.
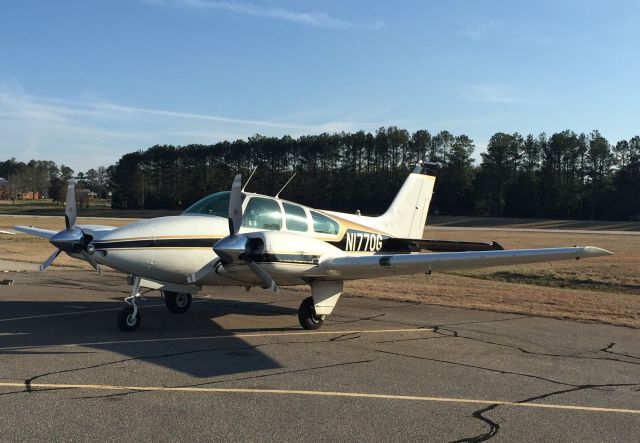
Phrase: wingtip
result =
(596, 252)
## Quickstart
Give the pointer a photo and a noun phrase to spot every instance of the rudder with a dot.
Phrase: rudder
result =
(407, 214)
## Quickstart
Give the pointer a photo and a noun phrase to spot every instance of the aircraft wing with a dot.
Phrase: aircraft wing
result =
(96, 231)
(35, 231)
(368, 266)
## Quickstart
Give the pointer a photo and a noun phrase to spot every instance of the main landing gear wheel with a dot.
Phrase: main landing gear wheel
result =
(307, 315)
(127, 322)
(177, 302)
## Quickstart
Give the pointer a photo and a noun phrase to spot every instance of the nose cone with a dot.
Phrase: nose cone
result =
(230, 248)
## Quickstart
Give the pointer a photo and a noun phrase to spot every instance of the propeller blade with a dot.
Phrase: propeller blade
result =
(70, 205)
(92, 261)
(202, 272)
(269, 283)
(235, 205)
(49, 260)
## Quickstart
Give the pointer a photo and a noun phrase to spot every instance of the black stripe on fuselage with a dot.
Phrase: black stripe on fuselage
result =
(158, 243)
(389, 245)
(284, 258)
(202, 243)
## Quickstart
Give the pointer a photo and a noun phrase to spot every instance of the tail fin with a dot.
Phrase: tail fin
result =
(407, 214)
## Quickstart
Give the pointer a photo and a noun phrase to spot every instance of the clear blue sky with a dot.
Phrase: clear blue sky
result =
(83, 82)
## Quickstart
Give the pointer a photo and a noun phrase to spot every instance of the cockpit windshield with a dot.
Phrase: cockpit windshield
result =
(214, 204)
(263, 212)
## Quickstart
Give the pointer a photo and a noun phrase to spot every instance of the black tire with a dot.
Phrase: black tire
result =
(126, 321)
(177, 302)
(307, 315)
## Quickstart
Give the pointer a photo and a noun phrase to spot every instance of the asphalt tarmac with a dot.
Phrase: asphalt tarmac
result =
(238, 367)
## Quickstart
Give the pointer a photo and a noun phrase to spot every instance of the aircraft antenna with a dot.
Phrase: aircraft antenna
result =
(249, 179)
(285, 185)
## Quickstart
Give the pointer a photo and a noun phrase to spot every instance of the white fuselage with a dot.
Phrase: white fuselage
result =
(152, 249)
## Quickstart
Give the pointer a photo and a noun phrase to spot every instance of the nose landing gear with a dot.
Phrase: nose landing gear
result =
(129, 317)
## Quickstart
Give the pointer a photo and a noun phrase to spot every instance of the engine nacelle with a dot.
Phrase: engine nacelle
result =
(273, 246)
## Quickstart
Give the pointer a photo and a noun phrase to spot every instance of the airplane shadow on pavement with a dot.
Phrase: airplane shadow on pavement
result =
(31, 328)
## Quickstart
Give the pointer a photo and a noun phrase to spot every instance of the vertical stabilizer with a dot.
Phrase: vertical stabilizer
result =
(407, 215)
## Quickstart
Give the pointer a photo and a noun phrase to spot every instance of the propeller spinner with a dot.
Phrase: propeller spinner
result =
(71, 240)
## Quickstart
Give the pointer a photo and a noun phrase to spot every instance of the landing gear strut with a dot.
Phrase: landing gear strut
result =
(307, 315)
(177, 302)
(129, 318)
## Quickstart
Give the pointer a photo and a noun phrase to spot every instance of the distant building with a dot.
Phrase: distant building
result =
(86, 198)
(29, 195)
(5, 189)
(7, 192)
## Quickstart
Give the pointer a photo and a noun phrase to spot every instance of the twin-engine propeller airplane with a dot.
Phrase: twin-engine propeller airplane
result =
(238, 238)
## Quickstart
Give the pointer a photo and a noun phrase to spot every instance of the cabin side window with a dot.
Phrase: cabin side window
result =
(323, 224)
(295, 217)
(262, 213)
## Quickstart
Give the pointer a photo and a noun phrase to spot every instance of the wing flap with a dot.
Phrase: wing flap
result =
(456, 246)
(367, 266)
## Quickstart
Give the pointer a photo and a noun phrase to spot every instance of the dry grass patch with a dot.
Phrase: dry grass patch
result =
(617, 274)
(466, 292)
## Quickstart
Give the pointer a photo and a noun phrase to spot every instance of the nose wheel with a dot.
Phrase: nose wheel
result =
(129, 318)
(307, 315)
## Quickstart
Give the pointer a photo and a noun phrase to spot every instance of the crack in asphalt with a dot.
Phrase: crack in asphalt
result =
(12, 392)
(493, 426)
(252, 377)
(378, 318)
(478, 414)
(466, 365)
(544, 354)
(357, 319)
(290, 371)
(576, 388)
(610, 346)
(348, 336)
(438, 329)
(29, 381)
(435, 329)
(24, 352)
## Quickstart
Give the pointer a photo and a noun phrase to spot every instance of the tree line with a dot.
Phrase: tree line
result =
(50, 180)
(565, 175)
